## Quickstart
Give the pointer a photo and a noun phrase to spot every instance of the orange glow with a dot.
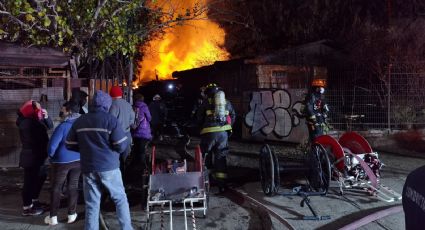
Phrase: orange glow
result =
(194, 44)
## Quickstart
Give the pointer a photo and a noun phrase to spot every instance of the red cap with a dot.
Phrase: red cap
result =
(115, 91)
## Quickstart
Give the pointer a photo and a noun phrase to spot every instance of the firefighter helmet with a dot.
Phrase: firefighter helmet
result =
(211, 89)
(318, 83)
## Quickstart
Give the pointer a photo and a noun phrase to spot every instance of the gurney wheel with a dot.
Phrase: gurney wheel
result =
(269, 171)
(320, 168)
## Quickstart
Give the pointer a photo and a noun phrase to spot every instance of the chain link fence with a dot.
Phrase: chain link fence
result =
(362, 99)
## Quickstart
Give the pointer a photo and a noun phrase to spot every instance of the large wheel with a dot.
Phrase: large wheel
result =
(320, 168)
(269, 171)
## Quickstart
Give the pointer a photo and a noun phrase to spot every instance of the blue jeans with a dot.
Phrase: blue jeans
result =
(112, 181)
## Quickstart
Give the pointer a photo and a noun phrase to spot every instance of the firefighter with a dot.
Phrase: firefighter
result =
(215, 117)
(316, 109)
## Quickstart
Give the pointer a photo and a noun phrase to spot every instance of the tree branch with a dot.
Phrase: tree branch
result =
(100, 5)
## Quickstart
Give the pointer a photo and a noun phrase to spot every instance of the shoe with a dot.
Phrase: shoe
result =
(72, 218)
(32, 211)
(51, 220)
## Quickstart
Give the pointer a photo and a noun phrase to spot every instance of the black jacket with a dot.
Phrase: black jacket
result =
(314, 108)
(34, 139)
(414, 199)
(158, 112)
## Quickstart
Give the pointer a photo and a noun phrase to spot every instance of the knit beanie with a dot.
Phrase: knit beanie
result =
(115, 91)
(27, 109)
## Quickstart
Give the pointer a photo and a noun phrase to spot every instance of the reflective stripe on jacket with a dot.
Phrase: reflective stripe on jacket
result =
(206, 111)
(216, 129)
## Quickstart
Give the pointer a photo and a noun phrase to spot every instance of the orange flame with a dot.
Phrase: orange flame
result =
(194, 44)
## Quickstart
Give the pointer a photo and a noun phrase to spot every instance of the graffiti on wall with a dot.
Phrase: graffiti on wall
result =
(272, 112)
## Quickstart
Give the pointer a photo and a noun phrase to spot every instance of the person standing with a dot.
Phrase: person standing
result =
(123, 111)
(413, 197)
(101, 141)
(33, 123)
(142, 133)
(80, 97)
(158, 111)
(65, 165)
(216, 117)
(316, 109)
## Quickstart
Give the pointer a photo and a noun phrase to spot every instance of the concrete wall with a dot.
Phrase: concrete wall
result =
(275, 115)
(274, 110)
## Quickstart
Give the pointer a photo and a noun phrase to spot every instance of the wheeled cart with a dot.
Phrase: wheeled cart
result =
(173, 189)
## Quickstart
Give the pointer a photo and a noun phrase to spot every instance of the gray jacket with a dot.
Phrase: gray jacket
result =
(123, 111)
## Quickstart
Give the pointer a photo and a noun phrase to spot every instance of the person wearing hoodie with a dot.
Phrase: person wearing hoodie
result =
(123, 111)
(100, 139)
(33, 123)
(65, 165)
(141, 132)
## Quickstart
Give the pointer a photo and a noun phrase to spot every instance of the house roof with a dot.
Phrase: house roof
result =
(314, 53)
(205, 70)
(12, 54)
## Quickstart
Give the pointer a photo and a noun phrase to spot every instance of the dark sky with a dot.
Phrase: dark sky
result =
(255, 27)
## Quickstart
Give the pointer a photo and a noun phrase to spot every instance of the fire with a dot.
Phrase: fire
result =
(194, 44)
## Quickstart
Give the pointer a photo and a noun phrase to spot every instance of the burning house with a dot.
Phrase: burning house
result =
(267, 91)
(189, 45)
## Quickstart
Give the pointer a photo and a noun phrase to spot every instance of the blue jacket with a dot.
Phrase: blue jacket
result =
(98, 137)
(56, 149)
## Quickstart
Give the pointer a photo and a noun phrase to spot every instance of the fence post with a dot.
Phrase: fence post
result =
(389, 98)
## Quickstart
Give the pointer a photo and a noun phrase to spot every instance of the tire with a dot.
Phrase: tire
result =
(320, 169)
(269, 171)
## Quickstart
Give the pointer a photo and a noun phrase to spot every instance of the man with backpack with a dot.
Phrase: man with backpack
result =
(216, 117)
